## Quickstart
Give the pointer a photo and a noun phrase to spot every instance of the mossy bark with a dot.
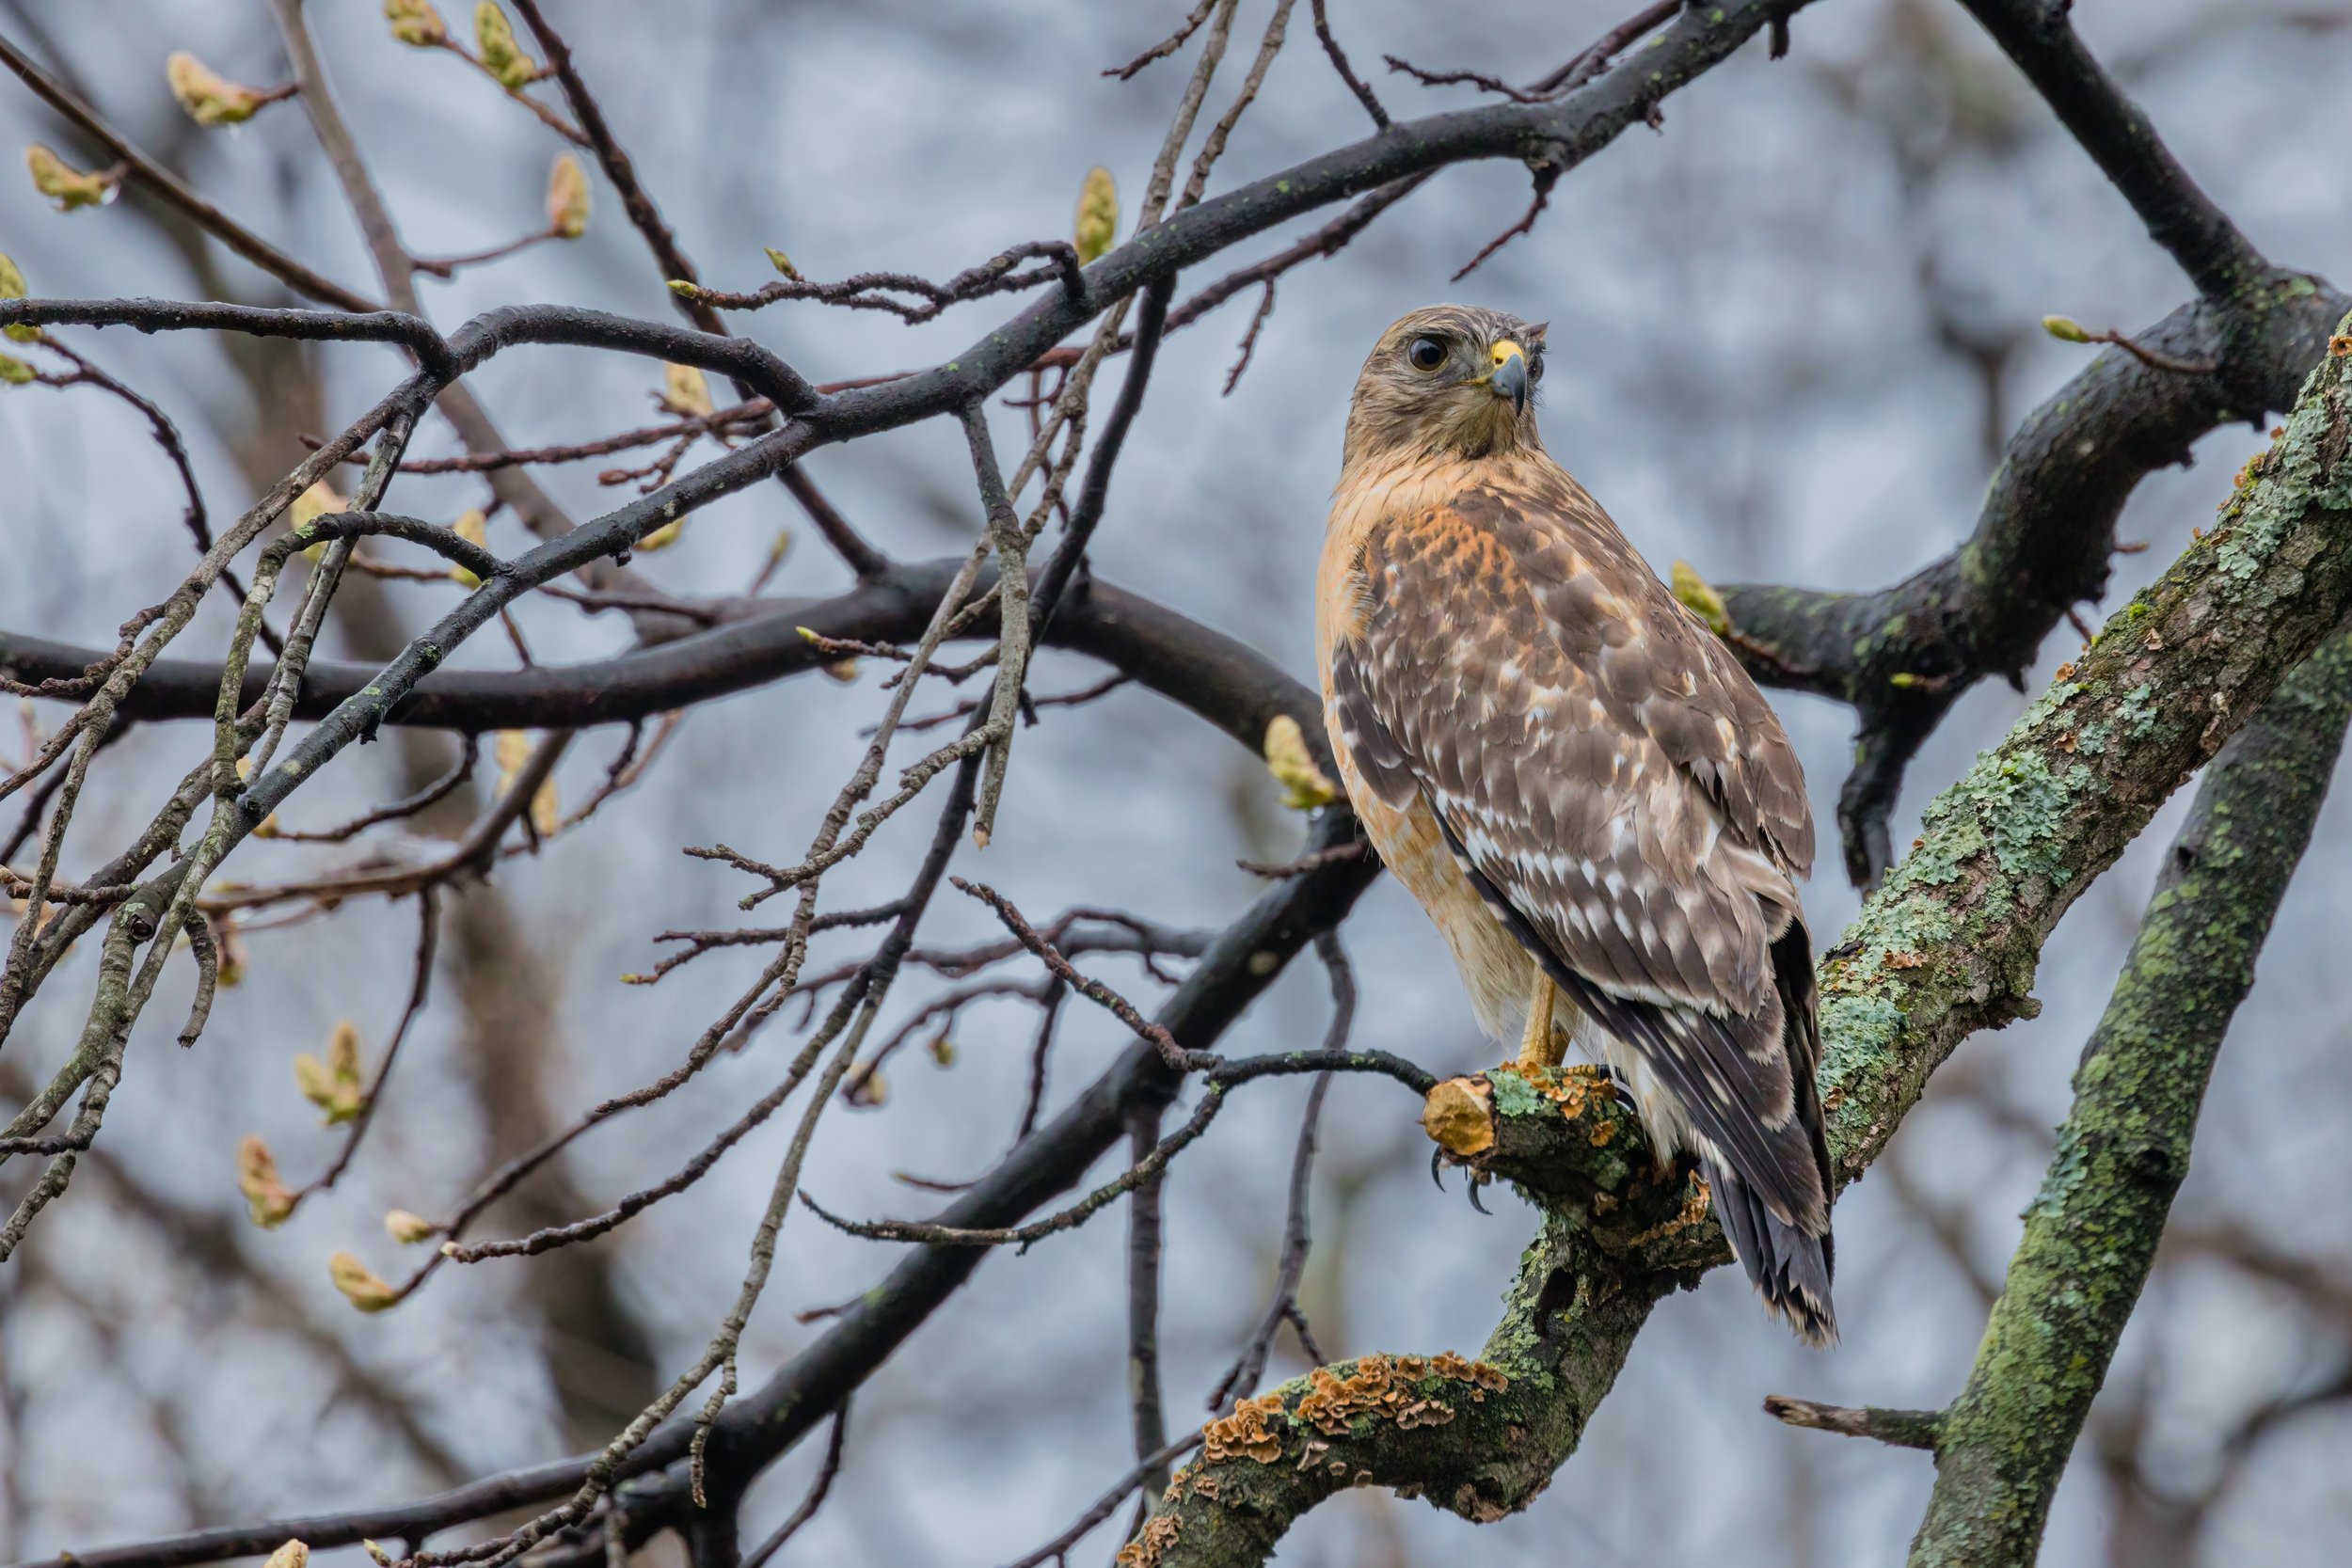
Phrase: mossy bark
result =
(2092, 1233)
(1947, 946)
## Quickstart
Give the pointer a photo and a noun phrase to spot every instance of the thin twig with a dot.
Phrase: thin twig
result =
(818, 1490)
(1296, 1235)
(1146, 1231)
(1167, 45)
(1356, 84)
(419, 991)
(1092, 990)
(1107, 1504)
(1901, 1429)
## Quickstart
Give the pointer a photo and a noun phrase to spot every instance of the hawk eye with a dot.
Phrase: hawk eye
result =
(1426, 353)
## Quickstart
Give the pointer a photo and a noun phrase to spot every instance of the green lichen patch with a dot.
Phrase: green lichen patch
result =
(2028, 800)
(1513, 1095)
(1856, 1031)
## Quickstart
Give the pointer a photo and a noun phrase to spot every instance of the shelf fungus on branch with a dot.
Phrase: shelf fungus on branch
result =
(1480, 1438)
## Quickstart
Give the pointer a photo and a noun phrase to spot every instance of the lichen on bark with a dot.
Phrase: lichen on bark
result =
(2091, 1233)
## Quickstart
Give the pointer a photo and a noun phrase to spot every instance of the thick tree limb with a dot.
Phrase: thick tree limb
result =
(2006, 850)
(2092, 1235)
(1223, 680)
(2042, 542)
(1946, 947)
(1902, 655)
(2039, 37)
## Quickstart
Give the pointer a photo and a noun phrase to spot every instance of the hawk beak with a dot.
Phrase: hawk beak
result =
(1509, 377)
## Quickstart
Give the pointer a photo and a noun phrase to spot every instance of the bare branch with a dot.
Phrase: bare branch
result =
(1900, 1429)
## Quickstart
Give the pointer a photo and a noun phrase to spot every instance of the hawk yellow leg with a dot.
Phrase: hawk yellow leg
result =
(1541, 1047)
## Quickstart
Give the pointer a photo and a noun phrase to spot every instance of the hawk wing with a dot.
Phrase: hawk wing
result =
(1620, 793)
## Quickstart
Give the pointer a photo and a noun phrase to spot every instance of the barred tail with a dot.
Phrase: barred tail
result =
(1789, 1267)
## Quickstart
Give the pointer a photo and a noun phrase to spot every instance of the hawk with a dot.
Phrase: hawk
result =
(1577, 781)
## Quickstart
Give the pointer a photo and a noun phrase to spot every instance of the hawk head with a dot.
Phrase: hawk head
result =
(1450, 381)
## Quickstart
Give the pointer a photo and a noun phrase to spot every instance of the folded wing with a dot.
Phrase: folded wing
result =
(1620, 793)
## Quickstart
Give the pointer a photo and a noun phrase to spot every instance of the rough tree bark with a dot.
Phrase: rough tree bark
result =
(2092, 1233)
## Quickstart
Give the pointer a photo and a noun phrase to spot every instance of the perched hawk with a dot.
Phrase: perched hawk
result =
(1577, 781)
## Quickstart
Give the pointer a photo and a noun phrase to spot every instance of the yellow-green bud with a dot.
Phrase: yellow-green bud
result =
(546, 811)
(334, 1084)
(12, 287)
(66, 185)
(415, 23)
(408, 1228)
(684, 390)
(308, 507)
(782, 263)
(474, 529)
(2065, 329)
(361, 1286)
(266, 1198)
(495, 36)
(1305, 786)
(1098, 214)
(15, 371)
(1700, 597)
(567, 197)
(510, 749)
(315, 502)
(211, 99)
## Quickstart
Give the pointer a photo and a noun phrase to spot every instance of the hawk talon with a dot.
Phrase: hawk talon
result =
(1437, 1165)
(1474, 1185)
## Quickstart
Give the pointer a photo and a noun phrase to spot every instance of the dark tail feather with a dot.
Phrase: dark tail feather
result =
(1789, 1269)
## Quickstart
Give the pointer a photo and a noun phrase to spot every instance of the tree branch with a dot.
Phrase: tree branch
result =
(2040, 38)
(1899, 1428)
(2092, 1235)
(1903, 654)
(1223, 680)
